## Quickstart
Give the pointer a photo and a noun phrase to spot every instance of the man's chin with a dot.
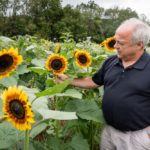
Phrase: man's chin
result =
(119, 56)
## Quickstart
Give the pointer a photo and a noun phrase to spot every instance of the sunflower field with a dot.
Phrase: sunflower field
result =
(36, 113)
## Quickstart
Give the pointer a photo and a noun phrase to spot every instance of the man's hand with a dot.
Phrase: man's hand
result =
(61, 77)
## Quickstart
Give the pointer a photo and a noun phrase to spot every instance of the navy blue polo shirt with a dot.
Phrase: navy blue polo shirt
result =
(126, 100)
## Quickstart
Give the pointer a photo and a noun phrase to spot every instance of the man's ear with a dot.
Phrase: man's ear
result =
(140, 45)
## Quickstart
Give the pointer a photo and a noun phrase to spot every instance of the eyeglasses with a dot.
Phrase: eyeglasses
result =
(120, 43)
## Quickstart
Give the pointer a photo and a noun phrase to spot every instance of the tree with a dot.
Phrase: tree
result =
(113, 17)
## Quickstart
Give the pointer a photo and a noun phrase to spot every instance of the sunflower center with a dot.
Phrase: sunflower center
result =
(17, 109)
(83, 59)
(56, 64)
(5, 62)
(111, 43)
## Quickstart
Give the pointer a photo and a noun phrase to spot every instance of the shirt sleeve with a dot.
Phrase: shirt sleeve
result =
(98, 77)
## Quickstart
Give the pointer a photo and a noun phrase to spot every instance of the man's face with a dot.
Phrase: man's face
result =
(124, 45)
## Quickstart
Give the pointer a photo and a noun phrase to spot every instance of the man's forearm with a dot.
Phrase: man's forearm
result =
(84, 83)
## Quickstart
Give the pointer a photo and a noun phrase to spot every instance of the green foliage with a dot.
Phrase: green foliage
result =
(55, 89)
(9, 136)
(86, 109)
(78, 143)
(67, 117)
(49, 20)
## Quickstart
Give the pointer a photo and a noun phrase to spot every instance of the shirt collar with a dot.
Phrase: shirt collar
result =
(141, 62)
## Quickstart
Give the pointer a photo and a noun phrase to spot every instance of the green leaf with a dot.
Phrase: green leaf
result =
(38, 70)
(71, 93)
(58, 88)
(55, 143)
(101, 91)
(40, 103)
(79, 143)
(8, 81)
(50, 82)
(30, 91)
(58, 115)
(31, 47)
(90, 111)
(86, 110)
(38, 129)
(38, 62)
(5, 42)
(22, 69)
(5, 39)
(9, 136)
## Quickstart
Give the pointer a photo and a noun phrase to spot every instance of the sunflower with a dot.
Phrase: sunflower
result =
(109, 44)
(56, 63)
(9, 59)
(102, 43)
(83, 58)
(17, 109)
(74, 51)
(57, 49)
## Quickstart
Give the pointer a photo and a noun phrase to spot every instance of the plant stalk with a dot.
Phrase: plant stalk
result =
(26, 140)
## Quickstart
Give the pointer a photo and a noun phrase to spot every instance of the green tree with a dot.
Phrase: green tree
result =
(113, 17)
(91, 14)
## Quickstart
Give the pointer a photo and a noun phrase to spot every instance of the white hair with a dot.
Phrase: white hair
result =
(141, 30)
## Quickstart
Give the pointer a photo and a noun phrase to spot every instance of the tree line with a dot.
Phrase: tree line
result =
(50, 20)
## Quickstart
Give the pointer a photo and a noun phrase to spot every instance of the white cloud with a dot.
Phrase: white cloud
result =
(140, 6)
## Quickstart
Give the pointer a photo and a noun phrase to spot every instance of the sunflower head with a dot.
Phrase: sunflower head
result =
(56, 63)
(109, 44)
(9, 59)
(17, 108)
(83, 58)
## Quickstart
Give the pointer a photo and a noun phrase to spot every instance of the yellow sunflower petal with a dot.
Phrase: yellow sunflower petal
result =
(56, 63)
(9, 59)
(16, 108)
(109, 44)
(83, 58)
(57, 49)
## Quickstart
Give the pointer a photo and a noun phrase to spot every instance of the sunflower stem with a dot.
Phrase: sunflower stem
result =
(26, 140)
(91, 135)
(57, 122)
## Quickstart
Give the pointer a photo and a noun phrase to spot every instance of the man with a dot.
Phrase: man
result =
(126, 80)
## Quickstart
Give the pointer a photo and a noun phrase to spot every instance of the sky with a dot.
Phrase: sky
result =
(140, 6)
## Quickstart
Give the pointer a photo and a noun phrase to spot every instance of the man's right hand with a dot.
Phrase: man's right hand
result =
(61, 77)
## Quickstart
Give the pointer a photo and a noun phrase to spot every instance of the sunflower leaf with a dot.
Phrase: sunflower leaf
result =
(8, 81)
(9, 136)
(88, 110)
(38, 70)
(71, 93)
(22, 69)
(38, 62)
(58, 88)
(58, 115)
(79, 143)
(38, 129)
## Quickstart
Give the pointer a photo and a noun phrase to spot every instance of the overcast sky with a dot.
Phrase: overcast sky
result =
(140, 6)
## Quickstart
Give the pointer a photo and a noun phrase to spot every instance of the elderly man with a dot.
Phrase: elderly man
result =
(126, 80)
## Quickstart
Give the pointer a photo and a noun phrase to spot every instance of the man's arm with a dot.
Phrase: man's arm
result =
(79, 82)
